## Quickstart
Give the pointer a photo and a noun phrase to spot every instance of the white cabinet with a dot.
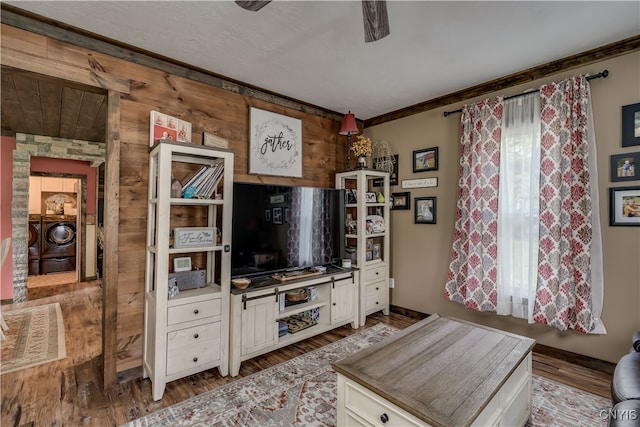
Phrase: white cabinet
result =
(55, 185)
(189, 332)
(367, 233)
(257, 313)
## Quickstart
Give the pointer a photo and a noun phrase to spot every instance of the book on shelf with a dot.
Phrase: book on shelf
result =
(204, 182)
(191, 177)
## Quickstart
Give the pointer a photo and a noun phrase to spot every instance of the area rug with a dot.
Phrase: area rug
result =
(302, 392)
(35, 335)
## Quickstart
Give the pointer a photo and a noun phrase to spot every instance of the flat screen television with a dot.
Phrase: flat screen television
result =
(280, 228)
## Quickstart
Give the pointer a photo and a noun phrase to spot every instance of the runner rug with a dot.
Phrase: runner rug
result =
(35, 335)
(302, 392)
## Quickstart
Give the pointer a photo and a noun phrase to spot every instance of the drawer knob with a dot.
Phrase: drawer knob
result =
(196, 336)
(377, 303)
(196, 311)
(334, 303)
(377, 288)
(377, 272)
(195, 359)
(384, 418)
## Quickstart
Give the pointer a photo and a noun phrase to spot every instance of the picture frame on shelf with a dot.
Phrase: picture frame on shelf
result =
(350, 196)
(376, 251)
(371, 197)
(425, 210)
(631, 125)
(369, 244)
(624, 206)
(425, 160)
(368, 255)
(401, 201)
(165, 127)
(181, 264)
(189, 237)
(624, 167)
(277, 215)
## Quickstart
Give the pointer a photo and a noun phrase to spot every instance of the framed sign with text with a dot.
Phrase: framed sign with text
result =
(275, 144)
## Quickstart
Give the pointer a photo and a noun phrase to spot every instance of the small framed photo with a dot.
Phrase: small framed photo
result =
(631, 125)
(624, 206)
(182, 264)
(277, 215)
(401, 201)
(350, 196)
(624, 167)
(267, 215)
(286, 215)
(425, 210)
(369, 244)
(376, 251)
(371, 197)
(425, 160)
(368, 255)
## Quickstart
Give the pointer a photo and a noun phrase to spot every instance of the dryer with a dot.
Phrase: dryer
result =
(58, 244)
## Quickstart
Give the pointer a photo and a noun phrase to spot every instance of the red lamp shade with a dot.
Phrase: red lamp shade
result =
(349, 126)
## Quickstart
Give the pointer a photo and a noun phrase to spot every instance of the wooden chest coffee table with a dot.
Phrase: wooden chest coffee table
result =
(439, 372)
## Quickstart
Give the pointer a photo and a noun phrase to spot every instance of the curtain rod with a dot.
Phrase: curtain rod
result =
(602, 74)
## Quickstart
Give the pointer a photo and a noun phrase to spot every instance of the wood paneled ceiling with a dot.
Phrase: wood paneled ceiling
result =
(39, 105)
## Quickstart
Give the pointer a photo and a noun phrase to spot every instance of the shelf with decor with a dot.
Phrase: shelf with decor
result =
(367, 235)
(188, 262)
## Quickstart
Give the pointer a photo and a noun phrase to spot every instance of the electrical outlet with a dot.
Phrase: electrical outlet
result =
(392, 282)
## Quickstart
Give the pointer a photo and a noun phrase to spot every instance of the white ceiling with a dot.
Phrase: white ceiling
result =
(314, 51)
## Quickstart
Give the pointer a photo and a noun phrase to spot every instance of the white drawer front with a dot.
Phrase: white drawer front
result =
(194, 311)
(376, 295)
(192, 347)
(376, 410)
(375, 273)
(513, 384)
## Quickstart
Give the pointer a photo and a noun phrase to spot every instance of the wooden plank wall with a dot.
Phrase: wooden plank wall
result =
(209, 109)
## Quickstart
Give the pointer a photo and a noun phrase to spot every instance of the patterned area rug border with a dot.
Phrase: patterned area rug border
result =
(35, 336)
(302, 392)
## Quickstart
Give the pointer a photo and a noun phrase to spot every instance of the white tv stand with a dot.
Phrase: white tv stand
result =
(256, 312)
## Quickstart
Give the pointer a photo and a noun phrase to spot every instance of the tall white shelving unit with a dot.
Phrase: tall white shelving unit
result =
(189, 332)
(372, 246)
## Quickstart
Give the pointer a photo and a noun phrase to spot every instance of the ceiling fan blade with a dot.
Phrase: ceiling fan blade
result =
(253, 6)
(376, 20)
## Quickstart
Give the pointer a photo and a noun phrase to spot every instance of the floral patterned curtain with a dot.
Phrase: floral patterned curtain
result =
(309, 239)
(564, 290)
(473, 269)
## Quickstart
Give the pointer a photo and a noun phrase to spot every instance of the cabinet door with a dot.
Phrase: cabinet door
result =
(51, 184)
(342, 300)
(35, 199)
(259, 326)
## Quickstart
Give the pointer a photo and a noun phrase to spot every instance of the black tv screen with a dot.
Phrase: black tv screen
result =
(279, 228)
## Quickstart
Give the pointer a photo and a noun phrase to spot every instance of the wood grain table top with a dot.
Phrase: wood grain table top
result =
(443, 371)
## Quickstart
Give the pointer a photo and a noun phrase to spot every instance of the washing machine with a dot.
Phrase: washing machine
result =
(58, 244)
(34, 249)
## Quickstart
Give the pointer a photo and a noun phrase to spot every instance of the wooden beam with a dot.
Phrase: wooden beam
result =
(35, 64)
(111, 223)
(612, 50)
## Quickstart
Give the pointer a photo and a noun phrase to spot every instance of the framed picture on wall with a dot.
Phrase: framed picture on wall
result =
(624, 167)
(425, 160)
(631, 125)
(425, 210)
(624, 206)
(401, 201)
(277, 215)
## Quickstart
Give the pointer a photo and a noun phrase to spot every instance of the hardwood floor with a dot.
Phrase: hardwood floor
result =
(68, 392)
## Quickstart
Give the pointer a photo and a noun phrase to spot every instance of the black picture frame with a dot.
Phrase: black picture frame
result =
(267, 215)
(422, 206)
(277, 216)
(619, 199)
(393, 176)
(425, 160)
(625, 167)
(631, 125)
(401, 201)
